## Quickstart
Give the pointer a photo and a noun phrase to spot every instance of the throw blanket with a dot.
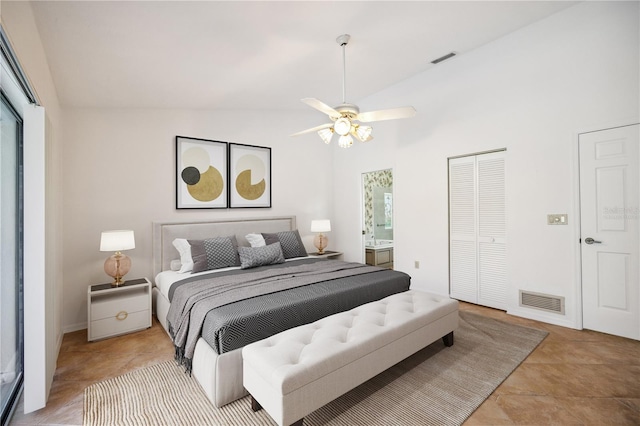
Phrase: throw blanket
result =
(192, 301)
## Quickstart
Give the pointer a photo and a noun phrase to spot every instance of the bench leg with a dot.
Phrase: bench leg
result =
(448, 339)
(255, 405)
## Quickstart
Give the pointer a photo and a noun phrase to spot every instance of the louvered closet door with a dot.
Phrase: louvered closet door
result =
(492, 270)
(463, 271)
(477, 231)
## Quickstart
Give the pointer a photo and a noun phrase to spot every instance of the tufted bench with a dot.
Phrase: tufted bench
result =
(293, 373)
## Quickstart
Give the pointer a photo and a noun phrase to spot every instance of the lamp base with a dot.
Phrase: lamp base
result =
(117, 266)
(117, 282)
(320, 242)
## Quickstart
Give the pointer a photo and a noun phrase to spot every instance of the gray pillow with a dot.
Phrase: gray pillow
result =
(214, 253)
(289, 240)
(250, 257)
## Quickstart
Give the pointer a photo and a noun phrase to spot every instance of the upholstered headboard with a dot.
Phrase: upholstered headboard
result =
(165, 232)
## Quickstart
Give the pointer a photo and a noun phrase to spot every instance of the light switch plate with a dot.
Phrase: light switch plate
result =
(557, 219)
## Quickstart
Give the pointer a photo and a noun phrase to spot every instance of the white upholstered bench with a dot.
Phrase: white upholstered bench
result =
(293, 373)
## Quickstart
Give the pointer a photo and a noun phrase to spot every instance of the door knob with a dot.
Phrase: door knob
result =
(590, 240)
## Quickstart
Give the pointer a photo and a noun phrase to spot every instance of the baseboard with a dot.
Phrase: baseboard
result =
(59, 343)
(545, 317)
(75, 327)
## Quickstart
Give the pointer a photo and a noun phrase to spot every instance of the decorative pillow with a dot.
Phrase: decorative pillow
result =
(184, 248)
(255, 240)
(175, 265)
(250, 257)
(214, 253)
(289, 240)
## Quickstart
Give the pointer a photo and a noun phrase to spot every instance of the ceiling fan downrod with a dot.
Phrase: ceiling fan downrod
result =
(343, 40)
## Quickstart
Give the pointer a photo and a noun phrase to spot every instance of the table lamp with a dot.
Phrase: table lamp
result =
(118, 264)
(320, 226)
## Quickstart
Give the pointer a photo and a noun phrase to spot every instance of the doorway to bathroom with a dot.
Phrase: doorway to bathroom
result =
(377, 220)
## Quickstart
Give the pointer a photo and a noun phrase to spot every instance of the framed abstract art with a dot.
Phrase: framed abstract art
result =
(249, 176)
(201, 174)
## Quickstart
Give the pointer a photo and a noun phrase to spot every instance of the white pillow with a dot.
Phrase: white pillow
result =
(255, 240)
(184, 248)
(176, 265)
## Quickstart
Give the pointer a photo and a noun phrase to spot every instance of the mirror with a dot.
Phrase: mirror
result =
(377, 190)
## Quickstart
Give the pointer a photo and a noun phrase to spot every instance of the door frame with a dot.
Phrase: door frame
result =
(362, 212)
(576, 204)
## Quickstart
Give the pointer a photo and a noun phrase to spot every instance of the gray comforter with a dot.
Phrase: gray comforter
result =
(192, 300)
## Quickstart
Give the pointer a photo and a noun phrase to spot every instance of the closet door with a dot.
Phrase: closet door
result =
(477, 229)
(492, 254)
(463, 265)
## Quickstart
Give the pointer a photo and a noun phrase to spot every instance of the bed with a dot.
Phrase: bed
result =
(216, 361)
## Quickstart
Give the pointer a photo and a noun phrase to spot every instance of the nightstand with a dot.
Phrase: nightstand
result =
(118, 310)
(336, 255)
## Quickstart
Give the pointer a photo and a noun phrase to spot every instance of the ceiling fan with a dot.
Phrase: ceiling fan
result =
(346, 118)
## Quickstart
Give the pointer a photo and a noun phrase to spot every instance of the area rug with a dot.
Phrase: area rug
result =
(435, 386)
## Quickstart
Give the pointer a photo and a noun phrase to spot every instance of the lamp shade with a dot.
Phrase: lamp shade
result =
(117, 240)
(345, 141)
(364, 133)
(326, 135)
(323, 225)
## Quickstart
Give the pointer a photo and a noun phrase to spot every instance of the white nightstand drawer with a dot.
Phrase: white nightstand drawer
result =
(118, 310)
(109, 305)
(124, 323)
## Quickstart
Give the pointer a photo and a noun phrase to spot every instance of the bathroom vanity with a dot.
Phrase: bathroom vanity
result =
(379, 255)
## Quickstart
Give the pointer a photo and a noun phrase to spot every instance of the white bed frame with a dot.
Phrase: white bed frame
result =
(219, 375)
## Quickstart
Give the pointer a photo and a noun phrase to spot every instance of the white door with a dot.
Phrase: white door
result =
(492, 230)
(610, 235)
(477, 229)
(463, 263)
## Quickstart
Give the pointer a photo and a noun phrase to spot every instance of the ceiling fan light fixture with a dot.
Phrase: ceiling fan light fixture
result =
(326, 135)
(345, 141)
(364, 133)
(346, 116)
(342, 126)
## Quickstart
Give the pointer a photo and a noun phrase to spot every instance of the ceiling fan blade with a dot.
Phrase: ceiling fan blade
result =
(322, 107)
(313, 129)
(386, 114)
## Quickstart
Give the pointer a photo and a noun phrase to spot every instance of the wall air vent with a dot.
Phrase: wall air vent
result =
(443, 58)
(545, 302)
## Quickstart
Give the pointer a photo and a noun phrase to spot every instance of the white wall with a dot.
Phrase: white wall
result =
(43, 209)
(531, 92)
(119, 173)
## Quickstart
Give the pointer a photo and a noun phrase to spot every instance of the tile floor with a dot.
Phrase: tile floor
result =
(572, 378)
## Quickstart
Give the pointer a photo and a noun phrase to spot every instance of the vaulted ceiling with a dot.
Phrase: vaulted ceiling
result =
(257, 55)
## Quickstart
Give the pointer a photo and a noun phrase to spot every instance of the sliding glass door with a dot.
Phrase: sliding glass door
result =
(11, 319)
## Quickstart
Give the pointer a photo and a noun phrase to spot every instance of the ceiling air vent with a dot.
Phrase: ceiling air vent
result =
(545, 302)
(443, 58)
